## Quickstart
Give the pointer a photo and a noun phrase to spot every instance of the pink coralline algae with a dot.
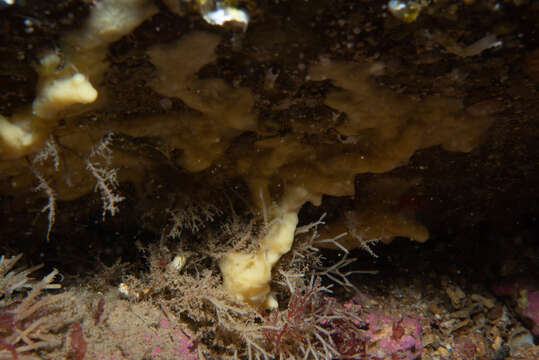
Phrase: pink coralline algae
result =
(182, 347)
(525, 297)
(532, 311)
(392, 338)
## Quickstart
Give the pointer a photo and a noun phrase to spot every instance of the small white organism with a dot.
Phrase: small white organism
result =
(221, 14)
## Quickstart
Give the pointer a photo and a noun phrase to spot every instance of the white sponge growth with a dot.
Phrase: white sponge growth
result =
(14, 135)
(248, 276)
(60, 93)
